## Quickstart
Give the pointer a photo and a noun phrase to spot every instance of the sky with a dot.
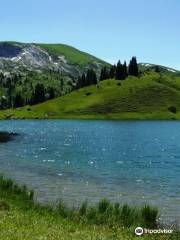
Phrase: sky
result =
(108, 29)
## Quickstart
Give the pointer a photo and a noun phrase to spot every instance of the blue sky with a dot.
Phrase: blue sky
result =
(109, 29)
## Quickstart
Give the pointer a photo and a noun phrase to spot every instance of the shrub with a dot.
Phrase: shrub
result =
(149, 216)
(4, 205)
(172, 109)
(88, 93)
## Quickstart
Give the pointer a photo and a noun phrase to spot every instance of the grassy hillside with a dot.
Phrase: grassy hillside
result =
(55, 66)
(148, 97)
(73, 55)
(23, 219)
(148, 67)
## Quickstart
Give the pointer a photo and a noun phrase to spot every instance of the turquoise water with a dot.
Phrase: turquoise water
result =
(127, 161)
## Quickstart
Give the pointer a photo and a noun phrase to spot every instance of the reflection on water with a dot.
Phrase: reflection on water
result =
(134, 162)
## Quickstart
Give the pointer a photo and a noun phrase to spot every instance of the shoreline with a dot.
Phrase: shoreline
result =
(87, 118)
(161, 222)
(30, 220)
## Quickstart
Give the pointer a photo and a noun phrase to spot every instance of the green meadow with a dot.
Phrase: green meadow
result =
(151, 96)
(73, 55)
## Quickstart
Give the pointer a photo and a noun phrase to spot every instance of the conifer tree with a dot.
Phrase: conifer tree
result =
(124, 70)
(112, 71)
(18, 101)
(104, 74)
(51, 92)
(157, 69)
(91, 77)
(119, 71)
(39, 94)
(133, 67)
(79, 82)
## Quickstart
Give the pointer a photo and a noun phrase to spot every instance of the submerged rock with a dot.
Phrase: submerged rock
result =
(5, 136)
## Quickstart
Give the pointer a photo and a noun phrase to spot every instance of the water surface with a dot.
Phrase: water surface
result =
(127, 161)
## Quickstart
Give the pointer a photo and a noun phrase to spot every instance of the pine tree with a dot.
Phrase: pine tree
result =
(119, 71)
(18, 101)
(39, 94)
(104, 74)
(78, 84)
(112, 71)
(124, 70)
(51, 93)
(81, 82)
(91, 77)
(133, 67)
(157, 69)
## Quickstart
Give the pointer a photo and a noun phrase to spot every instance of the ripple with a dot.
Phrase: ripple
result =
(42, 148)
(118, 157)
(67, 144)
(119, 162)
(49, 160)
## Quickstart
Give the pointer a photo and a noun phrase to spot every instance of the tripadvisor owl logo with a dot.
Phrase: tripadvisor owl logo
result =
(139, 231)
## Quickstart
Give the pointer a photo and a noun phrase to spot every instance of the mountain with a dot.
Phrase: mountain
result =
(151, 96)
(30, 69)
(32, 73)
(149, 67)
(16, 56)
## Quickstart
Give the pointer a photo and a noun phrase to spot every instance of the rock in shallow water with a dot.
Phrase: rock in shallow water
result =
(5, 136)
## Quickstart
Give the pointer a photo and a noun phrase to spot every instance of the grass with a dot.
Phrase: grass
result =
(23, 219)
(148, 97)
(72, 55)
(27, 76)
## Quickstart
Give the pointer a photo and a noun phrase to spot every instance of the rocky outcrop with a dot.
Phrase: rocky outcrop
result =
(5, 136)
(8, 50)
(17, 56)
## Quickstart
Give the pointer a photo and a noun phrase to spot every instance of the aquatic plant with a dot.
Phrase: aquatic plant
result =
(103, 213)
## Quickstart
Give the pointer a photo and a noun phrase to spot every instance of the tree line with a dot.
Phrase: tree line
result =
(39, 95)
(18, 90)
(119, 71)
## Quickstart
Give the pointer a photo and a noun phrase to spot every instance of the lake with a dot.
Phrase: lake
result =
(133, 162)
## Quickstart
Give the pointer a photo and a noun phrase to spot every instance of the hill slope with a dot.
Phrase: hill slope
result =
(57, 57)
(56, 67)
(148, 97)
(72, 55)
(149, 67)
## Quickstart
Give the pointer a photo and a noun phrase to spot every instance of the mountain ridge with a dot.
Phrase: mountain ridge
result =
(56, 57)
(53, 69)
